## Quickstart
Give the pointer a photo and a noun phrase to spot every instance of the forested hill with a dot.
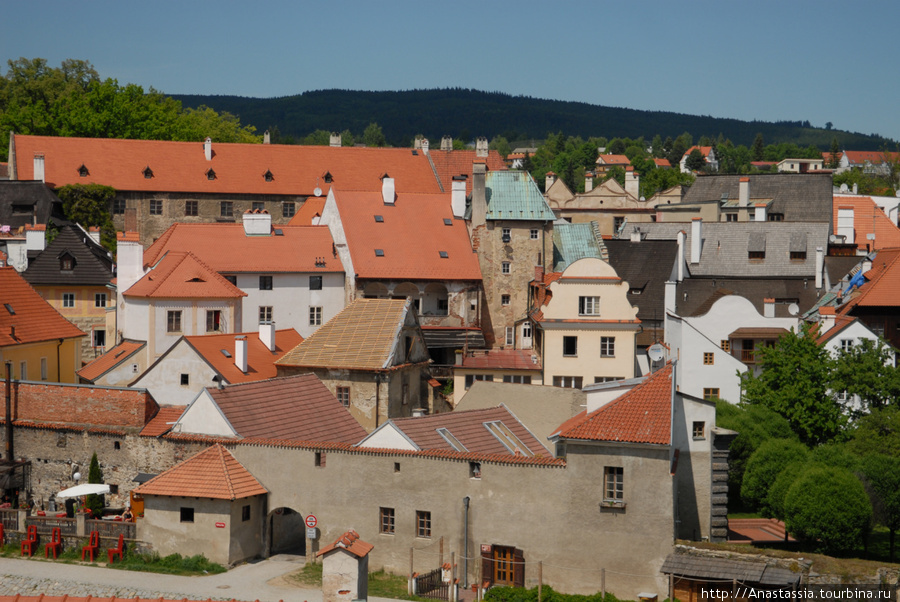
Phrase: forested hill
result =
(465, 114)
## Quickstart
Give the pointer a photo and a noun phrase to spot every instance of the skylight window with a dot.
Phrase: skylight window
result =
(210, 174)
(9, 308)
(379, 218)
(507, 438)
(268, 176)
(444, 254)
(379, 252)
(453, 441)
(225, 352)
(448, 221)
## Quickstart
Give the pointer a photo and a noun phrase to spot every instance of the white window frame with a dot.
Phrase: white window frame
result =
(534, 233)
(170, 314)
(510, 335)
(266, 314)
(315, 315)
(589, 306)
(505, 267)
(607, 346)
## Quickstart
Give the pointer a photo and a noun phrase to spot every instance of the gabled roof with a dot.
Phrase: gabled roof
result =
(662, 162)
(705, 150)
(27, 203)
(459, 163)
(840, 323)
(119, 354)
(260, 361)
(349, 542)
(163, 421)
(882, 287)
(645, 265)
(93, 265)
(642, 415)
(418, 236)
(873, 157)
(181, 275)
(228, 250)
(211, 474)
(239, 168)
(312, 208)
(868, 218)
(514, 195)
(611, 159)
(298, 408)
(24, 311)
(799, 197)
(361, 337)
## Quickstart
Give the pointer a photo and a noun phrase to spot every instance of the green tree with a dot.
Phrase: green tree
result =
(95, 476)
(794, 381)
(758, 150)
(695, 161)
(833, 159)
(89, 205)
(878, 432)
(828, 506)
(774, 502)
(317, 138)
(373, 136)
(764, 467)
(501, 145)
(867, 370)
(347, 138)
(882, 474)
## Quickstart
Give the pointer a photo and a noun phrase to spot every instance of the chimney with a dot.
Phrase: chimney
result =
(240, 353)
(335, 139)
(769, 308)
(267, 139)
(744, 192)
(479, 199)
(827, 317)
(207, 148)
(671, 292)
(129, 260)
(425, 145)
(39, 167)
(856, 189)
(759, 213)
(481, 147)
(258, 223)
(267, 335)
(632, 182)
(845, 224)
(588, 181)
(549, 180)
(418, 412)
(446, 143)
(387, 190)
(35, 237)
(94, 233)
(820, 266)
(458, 196)
(696, 239)
(680, 256)
(636, 235)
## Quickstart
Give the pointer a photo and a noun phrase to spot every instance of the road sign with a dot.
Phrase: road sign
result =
(311, 533)
(311, 521)
(220, 525)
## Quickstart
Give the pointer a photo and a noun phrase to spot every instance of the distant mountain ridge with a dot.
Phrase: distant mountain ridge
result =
(464, 113)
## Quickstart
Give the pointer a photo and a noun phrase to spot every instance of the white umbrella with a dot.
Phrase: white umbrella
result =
(84, 489)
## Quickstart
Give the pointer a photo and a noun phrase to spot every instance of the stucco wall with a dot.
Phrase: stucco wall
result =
(290, 299)
(31, 353)
(164, 379)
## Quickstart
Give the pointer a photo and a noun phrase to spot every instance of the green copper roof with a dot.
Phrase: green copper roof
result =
(515, 195)
(572, 242)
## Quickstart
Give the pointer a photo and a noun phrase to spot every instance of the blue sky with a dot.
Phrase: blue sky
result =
(768, 60)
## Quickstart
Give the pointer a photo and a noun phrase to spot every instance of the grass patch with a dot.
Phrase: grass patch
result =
(745, 515)
(381, 584)
(310, 574)
(173, 564)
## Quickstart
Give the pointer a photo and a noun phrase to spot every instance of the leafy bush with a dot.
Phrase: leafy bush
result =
(763, 468)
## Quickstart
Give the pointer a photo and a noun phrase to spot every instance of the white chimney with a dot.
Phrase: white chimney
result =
(425, 145)
(257, 223)
(387, 190)
(845, 224)
(35, 237)
(820, 266)
(267, 335)
(335, 139)
(588, 181)
(635, 235)
(856, 189)
(759, 213)
(680, 255)
(744, 192)
(207, 148)
(39, 167)
(446, 143)
(632, 182)
(240, 353)
(670, 294)
(458, 196)
(129, 260)
(826, 319)
(769, 308)
(696, 239)
(94, 233)
(481, 147)
(267, 139)
(549, 180)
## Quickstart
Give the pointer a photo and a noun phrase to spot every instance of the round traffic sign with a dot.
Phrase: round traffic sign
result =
(311, 521)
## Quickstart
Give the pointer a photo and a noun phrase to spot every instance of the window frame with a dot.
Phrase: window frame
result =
(288, 209)
(506, 267)
(589, 305)
(186, 514)
(698, 430)
(214, 315)
(173, 321)
(511, 335)
(423, 524)
(156, 207)
(266, 314)
(607, 346)
(534, 234)
(265, 282)
(97, 300)
(191, 208)
(98, 338)
(505, 300)
(315, 283)
(119, 206)
(343, 396)
(315, 315)
(570, 346)
(68, 300)
(226, 208)
(710, 393)
(387, 521)
(613, 484)
(709, 358)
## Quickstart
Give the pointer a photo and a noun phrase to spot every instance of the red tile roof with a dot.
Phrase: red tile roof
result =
(502, 359)
(349, 542)
(226, 249)
(873, 157)
(642, 415)
(459, 163)
(413, 234)
(662, 162)
(840, 323)
(298, 408)
(212, 474)
(239, 168)
(611, 159)
(703, 149)
(260, 361)
(163, 421)
(181, 275)
(24, 311)
(109, 360)
(868, 218)
(312, 207)
(882, 286)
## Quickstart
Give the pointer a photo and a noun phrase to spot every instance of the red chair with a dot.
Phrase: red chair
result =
(93, 545)
(2, 535)
(55, 543)
(30, 540)
(117, 551)
(41, 513)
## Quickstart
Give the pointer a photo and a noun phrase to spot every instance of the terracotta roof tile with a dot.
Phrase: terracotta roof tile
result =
(413, 234)
(703, 149)
(109, 360)
(163, 421)
(868, 218)
(840, 323)
(459, 163)
(181, 275)
(882, 287)
(502, 359)
(611, 159)
(350, 542)
(311, 208)
(24, 311)
(260, 361)
(642, 415)
(873, 157)
(213, 474)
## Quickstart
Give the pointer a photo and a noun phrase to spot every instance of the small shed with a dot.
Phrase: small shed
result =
(345, 569)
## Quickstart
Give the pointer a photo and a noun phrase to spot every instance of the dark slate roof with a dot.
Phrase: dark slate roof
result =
(726, 569)
(799, 197)
(695, 296)
(93, 264)
(646, 266)
(28, 203)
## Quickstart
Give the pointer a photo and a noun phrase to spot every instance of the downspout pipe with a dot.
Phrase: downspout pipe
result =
(9, 425)
(466, 501)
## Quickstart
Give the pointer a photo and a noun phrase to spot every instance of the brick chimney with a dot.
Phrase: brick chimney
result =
(425, 145)
(827, 316)
(481, 147)
(447, 143)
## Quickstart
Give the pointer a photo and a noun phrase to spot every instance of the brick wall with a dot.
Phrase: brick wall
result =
(80, 404)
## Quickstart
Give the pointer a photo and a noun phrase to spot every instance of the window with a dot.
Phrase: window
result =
(423, 523)
(226, 209)
(245, 513)
(568, 382)
(343, 396)
(99, 299)
(191, 209)
(756, 255)
(148, 173)
(474, 470)
(44, 368)
(510, 335)
(589, 306)
(613, 484)
(258, 206)
(517, 378)
(67, 263)
(68, 299)
(386, 521)
(504, 299)
(320, 459)
(185, 380)
(265, 283)
(187, 515)
(607, 379)
(725, 345)
(288, 209)
(315, 316)
(534, 234)
(113, 488)
(699, 430)
(396, 466)
(711, 393)
(155, 207)
(618, 222)
(268, 177)
(23, 370)
(98, 338)
(607, 346)
(265, 314)
(173, 321)
(210, 174)
(118, 206)
(570, 346)
(846, 345)
(505, 235)
(731, 217)
(526, 333)
(504, 267)
(798, 255)
(471, 378)
(315, 283)
(213, 320)
(709, 358)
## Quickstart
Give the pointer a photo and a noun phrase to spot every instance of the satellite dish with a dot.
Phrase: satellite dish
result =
(656, 352)
(317, 191)
(793, 309)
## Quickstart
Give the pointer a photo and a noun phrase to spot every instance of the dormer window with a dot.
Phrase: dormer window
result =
(268, 176)
(328, 178)
(210, 174)
(148, 173)
(83, 171)
(66, 262)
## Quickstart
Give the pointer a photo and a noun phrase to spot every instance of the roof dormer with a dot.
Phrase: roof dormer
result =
(210, 174)
(83, 171)
(268, 176)
(148, 173)
(66, 261)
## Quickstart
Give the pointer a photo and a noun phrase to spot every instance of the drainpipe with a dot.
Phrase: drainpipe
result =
(9, 427)
(377, 396)
(466, 545)
(58, 367)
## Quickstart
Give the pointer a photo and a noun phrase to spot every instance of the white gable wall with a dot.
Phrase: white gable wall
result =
(203, 417)
(163, 379)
